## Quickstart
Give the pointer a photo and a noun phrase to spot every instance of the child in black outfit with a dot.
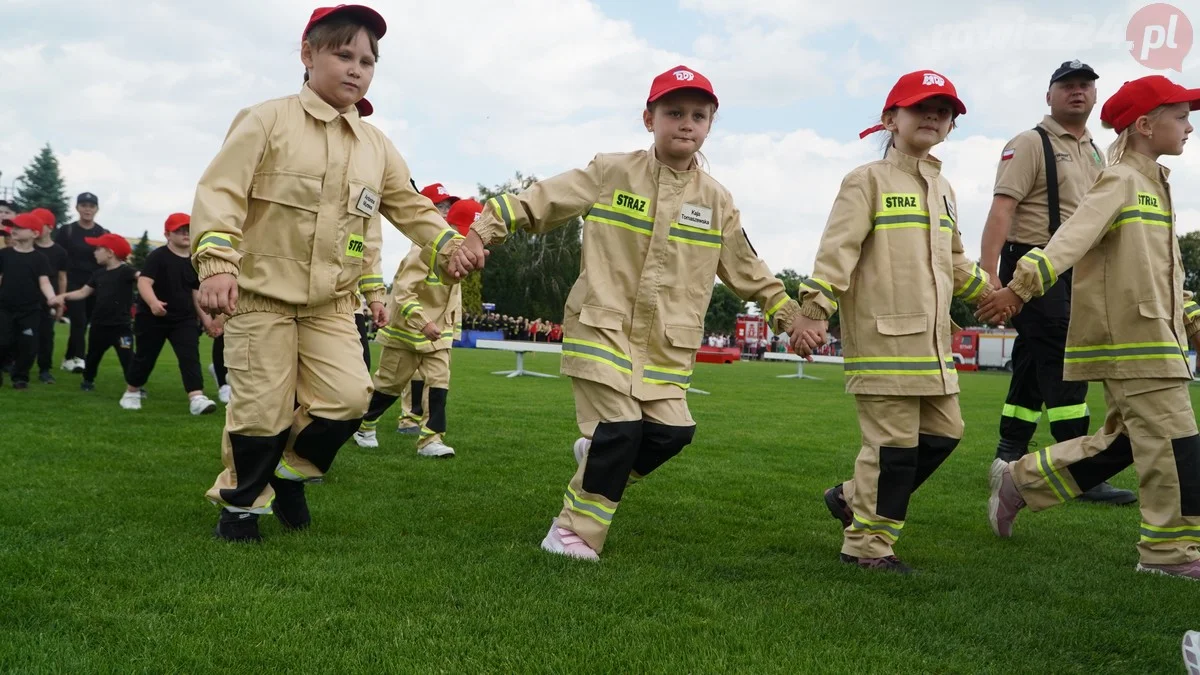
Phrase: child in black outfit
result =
(24, 284)
(113, 286)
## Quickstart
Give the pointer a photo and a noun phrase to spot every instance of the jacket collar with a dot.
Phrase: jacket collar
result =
(315, 106)
(930, 166)
(662, 171)
(1146, 166)
(1050, 124)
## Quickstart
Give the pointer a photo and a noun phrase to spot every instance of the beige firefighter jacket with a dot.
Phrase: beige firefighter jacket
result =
(1130, 317)
(418, 298)
(653, 240)
(291, 205)
(890, 260)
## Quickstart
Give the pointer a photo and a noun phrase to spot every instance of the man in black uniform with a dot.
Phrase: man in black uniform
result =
(1042, 177)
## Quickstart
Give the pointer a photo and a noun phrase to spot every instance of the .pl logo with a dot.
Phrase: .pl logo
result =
(1159, 36)
(687, 76)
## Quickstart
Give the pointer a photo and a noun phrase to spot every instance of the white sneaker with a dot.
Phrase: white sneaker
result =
(212, 370)
(225, 393)
(581, 448)
(68, 365)
(131, 400)
(436, 449)
(1191, 652)
(201, 405)
(366, 439)
(80, 365)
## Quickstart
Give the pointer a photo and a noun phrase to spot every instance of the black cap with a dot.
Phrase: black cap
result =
(87, 198)
(1071, 68)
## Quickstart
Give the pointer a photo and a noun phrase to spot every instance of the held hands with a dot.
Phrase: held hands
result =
(214, 327)
(431, 331)
(471, 256)
(999, 307)
(379, 314)
(219, 294)
(59, 302)
(807, 335)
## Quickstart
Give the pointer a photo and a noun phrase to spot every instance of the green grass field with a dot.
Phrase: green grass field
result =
(723, 560)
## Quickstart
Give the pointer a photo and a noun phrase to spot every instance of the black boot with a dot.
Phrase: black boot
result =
(1107, 494)
(1010, 451)
(237, 526)
(290, 506)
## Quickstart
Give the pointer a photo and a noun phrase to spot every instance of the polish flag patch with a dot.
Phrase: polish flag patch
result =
(1007, 154)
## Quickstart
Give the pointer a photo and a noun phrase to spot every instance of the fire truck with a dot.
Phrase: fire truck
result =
(983, 348)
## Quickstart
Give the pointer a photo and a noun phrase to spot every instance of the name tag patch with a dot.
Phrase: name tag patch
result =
(354, 247)
(695, 216)
(901, 201)
(368, 202)
(631, 203)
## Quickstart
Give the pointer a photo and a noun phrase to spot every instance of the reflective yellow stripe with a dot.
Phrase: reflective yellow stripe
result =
(1046, 274)
(1130, 351)
(1154, 533)
(779, 305)
(404, 335)
(444, 238)
(896, 365)
(901, 219)
(974, 285)
(370, 283)
(684, 234)
(822, 287)
(409, 308)
(1191, 309)
(594, 351)
(1023, 414)
(1067, 412)
(889, 530)
(657, 375)
(214, 239)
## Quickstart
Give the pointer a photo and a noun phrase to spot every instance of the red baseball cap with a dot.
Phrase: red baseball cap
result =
(1138, 97)
(915, 87)
(368, 16)
(113, 242)
(46, 215)
(176, 221)
(437, 193)
(680, 77)
(463, 213)
(24, 221)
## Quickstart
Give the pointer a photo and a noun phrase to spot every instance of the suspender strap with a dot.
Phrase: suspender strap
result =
(1051, 181)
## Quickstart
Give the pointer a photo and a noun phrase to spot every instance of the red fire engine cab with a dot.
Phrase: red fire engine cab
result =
(983, 348)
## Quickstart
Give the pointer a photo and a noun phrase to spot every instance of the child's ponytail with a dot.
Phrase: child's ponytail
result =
(1117, 150)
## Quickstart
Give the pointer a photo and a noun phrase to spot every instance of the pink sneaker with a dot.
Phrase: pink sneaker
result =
(1005, 501)
(1189, 570)
(565, 542)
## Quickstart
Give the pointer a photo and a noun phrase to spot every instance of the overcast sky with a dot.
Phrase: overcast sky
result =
(135, 96)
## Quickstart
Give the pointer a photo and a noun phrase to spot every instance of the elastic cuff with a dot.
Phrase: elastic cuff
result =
(378, 295)
(207, 267)
(812, 310)
(786, 315)
(1025, 291)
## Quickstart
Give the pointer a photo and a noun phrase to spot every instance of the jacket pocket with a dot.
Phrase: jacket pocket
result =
(282, 216)
(685, 337)
(363, 201)
(1152, 309)
(601, 317)
(902, 324)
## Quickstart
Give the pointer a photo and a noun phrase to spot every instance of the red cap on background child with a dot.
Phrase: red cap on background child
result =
(176, 221)
(915, 87)
(437, 193)
(463, 213)
(680, 77)
(24, 221)
(368, 16)
(46, 216)
(113, 242)
(1138, 97)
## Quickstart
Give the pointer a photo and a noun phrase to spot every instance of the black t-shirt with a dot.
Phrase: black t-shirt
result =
(57, 257)
(113, 290)
(19, 289)
(80, 254)
(174, 280)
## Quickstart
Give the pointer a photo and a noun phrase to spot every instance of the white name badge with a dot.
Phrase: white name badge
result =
(368, 201)
(695, 216)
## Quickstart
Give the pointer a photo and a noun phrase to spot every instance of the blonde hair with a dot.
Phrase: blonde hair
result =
(1116, 151)
(889, 139)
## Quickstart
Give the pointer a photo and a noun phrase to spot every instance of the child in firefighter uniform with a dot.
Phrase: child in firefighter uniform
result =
(426, 319)
(1130, 325)
(285, 232)
(657, 228)
(891, 260)
(414, 402)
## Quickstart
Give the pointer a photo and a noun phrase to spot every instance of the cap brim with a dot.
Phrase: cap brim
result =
(1078, 71)
(364, 107)
(913, 100)
(654, 96)
(1189, 96)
